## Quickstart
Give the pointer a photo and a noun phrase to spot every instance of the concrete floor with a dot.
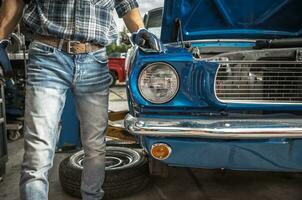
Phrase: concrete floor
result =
(182, 183)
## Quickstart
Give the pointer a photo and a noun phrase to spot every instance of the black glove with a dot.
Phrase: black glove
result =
(147, 41)
(5, 64)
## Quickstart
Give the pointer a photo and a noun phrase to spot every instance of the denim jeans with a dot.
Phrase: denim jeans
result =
(50, 73)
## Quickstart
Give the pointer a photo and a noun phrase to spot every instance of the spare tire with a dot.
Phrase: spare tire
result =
(127, 172)
(113, 79)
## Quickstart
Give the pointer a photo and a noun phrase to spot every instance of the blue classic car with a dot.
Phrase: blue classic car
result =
(227, 90)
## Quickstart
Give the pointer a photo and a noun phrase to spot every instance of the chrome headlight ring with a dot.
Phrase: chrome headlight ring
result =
(158, 82)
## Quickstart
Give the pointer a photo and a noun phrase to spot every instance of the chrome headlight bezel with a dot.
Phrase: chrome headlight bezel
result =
(163, 100)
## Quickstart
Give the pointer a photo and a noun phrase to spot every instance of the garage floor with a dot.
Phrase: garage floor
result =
(191, 184)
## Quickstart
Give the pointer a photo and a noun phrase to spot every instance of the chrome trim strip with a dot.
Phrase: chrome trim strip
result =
(216, 40)
(255, 62)
(215, 129)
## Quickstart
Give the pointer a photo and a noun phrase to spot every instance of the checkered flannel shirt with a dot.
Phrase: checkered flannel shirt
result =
(79, 20)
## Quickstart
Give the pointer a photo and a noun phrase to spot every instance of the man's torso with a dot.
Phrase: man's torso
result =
(79, 20)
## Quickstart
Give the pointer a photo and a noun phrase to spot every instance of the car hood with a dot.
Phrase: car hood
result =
(231, 19)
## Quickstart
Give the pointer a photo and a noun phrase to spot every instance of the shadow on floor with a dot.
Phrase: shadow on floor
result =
(182, 183)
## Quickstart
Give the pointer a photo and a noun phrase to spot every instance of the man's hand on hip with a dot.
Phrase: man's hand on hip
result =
(147, 41)
(4, 60)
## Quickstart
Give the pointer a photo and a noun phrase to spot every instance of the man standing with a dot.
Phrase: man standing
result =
(69, 51)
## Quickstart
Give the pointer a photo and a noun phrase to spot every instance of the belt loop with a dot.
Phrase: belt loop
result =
(88, 46)
(61, 42)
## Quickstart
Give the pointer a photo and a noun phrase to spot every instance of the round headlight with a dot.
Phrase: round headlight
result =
(158, 82)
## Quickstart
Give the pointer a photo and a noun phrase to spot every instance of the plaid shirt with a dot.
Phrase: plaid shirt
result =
(79, 20)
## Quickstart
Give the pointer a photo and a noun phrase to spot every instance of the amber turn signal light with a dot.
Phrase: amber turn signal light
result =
(160, 151)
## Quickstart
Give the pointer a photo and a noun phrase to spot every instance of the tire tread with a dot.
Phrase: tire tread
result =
(118, 183)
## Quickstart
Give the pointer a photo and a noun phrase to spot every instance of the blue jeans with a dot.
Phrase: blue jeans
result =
(51, 73)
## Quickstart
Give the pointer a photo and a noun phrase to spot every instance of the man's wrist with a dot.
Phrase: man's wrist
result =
(139, 29)
(4, 40)
(2, 35)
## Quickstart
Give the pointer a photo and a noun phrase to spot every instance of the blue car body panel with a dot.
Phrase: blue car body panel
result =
(258, 155)
(196, 97)
(217, 19)
(196, 86)
(214, 19)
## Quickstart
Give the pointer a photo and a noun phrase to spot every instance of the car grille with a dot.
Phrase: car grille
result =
(259, 83)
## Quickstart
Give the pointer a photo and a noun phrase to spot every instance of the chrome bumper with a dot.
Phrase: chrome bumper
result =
(215, 129)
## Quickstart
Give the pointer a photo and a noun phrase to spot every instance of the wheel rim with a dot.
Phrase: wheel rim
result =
(14, 135)
(113, 162)
(111, 79)
(116, 158)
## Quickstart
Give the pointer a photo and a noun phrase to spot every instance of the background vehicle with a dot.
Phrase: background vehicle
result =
(227, 91)
(116, 63)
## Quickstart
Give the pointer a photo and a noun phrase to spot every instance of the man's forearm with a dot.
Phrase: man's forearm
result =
(133, 20)
(10, 13)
